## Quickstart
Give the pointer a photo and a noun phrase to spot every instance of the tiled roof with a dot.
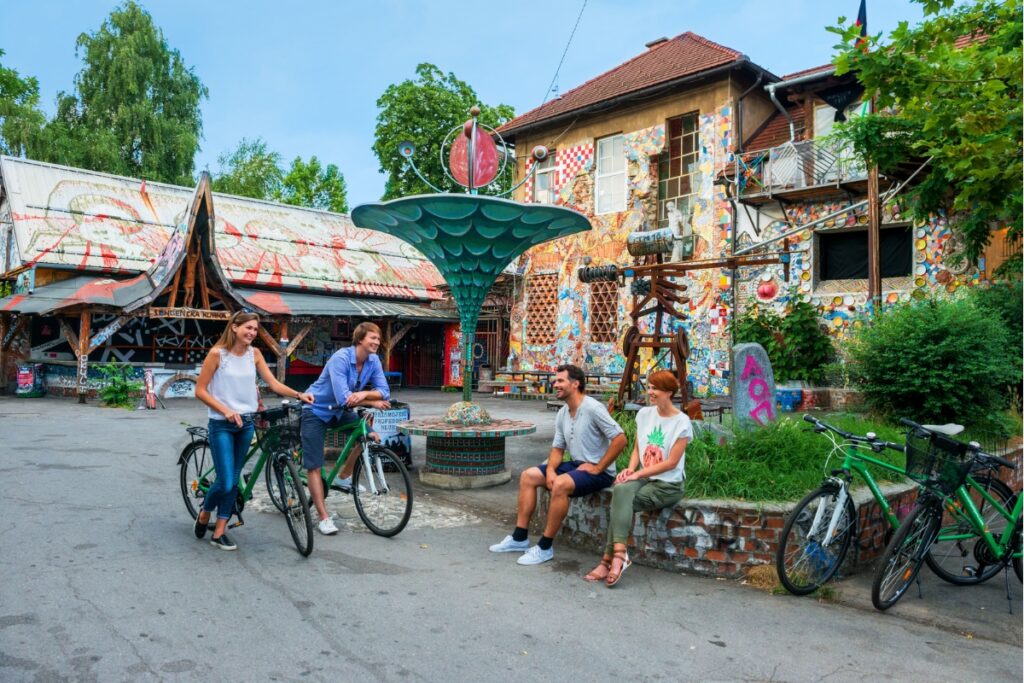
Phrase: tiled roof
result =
(685, 55)
(808, 72)
(775, 130)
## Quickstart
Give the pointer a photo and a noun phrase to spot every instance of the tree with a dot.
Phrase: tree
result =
(20, 116)
(948, 89)
(309, 184)
(251, 170)
(135, 106)
(423, 111)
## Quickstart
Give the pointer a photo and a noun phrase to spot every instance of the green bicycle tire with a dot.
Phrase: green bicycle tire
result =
(958, 562)
(905, 555)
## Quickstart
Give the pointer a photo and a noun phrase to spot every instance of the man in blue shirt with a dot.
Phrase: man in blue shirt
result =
(352, 377)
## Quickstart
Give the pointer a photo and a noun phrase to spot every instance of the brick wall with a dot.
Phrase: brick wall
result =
(720, 537)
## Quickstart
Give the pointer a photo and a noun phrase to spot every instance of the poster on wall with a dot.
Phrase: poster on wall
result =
(385, 423)
(452, 356)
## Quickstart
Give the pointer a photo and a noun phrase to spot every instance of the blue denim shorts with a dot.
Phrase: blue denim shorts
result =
(313, 432)
(586, 483)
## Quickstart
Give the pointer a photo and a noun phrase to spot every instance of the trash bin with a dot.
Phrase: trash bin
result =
(30, 380)
(385, 424)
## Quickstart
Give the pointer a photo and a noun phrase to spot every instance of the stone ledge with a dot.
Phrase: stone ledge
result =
(720, 537)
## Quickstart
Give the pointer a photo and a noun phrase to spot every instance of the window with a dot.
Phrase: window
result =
(675, 169)
(545, 181)
(541, 308)
(844, 255)
(611, 175)
(604, 311)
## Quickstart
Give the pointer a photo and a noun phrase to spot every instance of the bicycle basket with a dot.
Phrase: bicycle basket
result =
(936, 460)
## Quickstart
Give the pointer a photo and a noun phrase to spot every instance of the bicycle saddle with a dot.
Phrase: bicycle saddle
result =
(949, 429)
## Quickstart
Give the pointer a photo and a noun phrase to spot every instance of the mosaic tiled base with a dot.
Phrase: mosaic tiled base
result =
(465, 457)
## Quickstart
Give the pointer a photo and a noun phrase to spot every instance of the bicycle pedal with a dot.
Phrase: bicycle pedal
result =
(240, 522)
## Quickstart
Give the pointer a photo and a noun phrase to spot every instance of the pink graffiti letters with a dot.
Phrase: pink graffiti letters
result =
(758, 390)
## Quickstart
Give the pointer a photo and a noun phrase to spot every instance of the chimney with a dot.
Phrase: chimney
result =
(656, 42)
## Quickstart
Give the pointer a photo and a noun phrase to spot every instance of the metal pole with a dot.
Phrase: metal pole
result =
(874, 240)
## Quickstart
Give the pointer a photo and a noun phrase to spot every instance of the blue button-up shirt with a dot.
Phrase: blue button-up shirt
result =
(339, 380)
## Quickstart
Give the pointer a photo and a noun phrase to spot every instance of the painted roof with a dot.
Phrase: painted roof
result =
(685, 55)
(296, 303)
(100, 223)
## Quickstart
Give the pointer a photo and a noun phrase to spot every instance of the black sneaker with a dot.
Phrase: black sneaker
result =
(199, 528)
(224, 543)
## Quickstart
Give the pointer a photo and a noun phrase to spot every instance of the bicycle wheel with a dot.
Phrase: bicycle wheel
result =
(293, 496)
(905, 555)
(382, 491)
(967, 561)
(805, 560)
(276, 496)
(196, 475)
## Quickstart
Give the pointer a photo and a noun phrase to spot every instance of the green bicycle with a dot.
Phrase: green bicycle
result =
(381, 486)
(960, 540)
(816, 536)
(273, 439)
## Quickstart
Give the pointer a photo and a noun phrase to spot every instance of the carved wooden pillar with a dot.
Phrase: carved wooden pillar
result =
(84, 332)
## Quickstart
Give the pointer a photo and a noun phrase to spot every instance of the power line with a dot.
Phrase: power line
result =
(554, 78)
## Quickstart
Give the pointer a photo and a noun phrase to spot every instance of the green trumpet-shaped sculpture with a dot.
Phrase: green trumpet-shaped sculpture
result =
(470, 239)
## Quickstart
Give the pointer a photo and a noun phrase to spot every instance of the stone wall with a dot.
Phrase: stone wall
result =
(720, 537)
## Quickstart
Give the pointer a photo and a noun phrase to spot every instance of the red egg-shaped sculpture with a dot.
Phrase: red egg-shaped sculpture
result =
(485, 157)
(767, 290)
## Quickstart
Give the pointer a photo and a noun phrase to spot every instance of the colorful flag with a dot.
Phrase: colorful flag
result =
(862, 24)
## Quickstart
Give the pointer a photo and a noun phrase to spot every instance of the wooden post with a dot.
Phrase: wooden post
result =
(874, 241)
(4, 324)
(281, 350)
(387, 345)
(84, 332)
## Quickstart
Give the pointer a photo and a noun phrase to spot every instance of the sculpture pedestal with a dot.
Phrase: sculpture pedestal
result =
(465, 456)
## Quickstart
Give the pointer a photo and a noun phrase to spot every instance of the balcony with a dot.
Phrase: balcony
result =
(806, 169)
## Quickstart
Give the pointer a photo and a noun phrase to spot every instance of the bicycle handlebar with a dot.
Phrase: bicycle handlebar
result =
(973, 446)
(876, 444)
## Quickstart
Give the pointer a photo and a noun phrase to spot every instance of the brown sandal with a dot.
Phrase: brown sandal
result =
(596, 574)
(614, 576)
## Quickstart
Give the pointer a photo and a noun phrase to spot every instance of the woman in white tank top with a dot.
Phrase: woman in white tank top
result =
(227, 385)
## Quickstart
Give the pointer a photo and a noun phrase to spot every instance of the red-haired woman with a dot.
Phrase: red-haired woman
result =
(227, 385)
(655, 477)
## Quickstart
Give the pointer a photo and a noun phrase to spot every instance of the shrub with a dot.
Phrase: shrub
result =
(797, 344)
(933, 361)
(1005, 301)
(118, 385)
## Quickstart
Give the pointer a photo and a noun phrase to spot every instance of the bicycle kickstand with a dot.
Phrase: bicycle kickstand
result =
(1006, 580)
(920, 593)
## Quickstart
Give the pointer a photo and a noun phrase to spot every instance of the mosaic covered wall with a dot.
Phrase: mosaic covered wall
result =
(605, 244)
(843, 303)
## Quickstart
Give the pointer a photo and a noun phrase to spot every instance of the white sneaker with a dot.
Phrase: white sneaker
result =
(326, 527)
(536, 556)
(510, 545)
(345, 485)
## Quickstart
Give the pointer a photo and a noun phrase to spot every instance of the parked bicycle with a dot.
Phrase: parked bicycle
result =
(818, 532)
(948, 530)
(381, 486)
(273, 438)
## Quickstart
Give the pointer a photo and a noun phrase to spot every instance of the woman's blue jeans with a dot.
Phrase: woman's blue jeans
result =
(229, 445)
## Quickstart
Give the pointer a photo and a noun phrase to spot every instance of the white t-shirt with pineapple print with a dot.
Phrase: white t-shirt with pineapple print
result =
(655, 436)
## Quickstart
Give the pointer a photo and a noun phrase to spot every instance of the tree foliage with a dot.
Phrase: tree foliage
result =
(135, 106)
(308, 183)
(934, 361)
(253, 170)
(423, 111)
(948, 89)
(20, 116)
(250, 170)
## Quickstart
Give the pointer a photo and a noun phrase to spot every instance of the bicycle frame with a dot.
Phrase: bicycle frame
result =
(264, 444)
(359, 430)
(969, 511)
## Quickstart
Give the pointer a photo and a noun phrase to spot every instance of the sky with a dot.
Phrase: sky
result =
(305, 75)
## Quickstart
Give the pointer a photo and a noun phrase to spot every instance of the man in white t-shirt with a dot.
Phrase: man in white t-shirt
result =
(585, 430)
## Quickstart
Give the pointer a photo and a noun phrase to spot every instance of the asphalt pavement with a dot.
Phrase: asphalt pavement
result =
(104, 581)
